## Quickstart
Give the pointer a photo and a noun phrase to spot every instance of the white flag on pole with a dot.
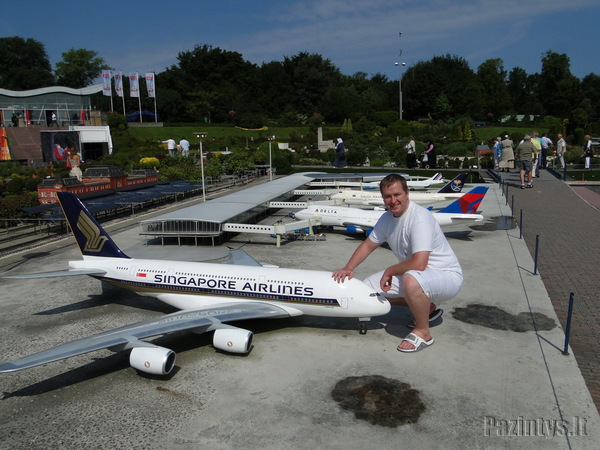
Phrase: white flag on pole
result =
(134, 84)
(119, 83)
(150, 84)
(106, 83)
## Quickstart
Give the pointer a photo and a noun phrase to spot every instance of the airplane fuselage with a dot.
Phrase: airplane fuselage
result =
(364, 219)
(366, 198)
(188, 285)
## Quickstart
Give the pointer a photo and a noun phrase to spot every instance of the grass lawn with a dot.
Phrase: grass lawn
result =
(213, 131)
(486, 134)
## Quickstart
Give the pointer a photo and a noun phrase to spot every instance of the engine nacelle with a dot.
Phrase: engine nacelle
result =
(233, 340)
(153, 360)
(354, 229)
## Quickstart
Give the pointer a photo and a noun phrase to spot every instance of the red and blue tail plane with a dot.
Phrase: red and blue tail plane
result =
(468, 203)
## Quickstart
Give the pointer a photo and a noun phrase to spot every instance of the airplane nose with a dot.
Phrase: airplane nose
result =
(292, 215)
(385, 305)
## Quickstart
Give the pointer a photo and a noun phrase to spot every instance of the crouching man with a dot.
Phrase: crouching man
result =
(428, 271)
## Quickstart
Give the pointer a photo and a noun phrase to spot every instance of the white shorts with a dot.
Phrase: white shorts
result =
(438, 285)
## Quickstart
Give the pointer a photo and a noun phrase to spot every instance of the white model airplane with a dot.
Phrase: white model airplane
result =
(208, 294)
(355, 220)
(450, 191)
(412, 182)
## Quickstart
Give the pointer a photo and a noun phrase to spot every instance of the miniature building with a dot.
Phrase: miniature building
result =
(96, 180)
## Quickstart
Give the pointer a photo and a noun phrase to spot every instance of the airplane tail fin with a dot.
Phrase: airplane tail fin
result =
(468, 203)
(91, 238)
(454, 185)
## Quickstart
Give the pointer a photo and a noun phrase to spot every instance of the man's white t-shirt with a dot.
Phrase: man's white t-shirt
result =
(414, 231)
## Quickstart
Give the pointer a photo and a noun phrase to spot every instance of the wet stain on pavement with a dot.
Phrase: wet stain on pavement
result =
(493, 317)
(379, 400)
(497, 223)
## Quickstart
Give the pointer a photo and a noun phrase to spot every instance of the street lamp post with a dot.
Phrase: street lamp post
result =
(270, 139)
(401, 65)
(201, 135)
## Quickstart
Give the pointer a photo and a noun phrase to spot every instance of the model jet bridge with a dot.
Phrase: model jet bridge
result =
(216, 220)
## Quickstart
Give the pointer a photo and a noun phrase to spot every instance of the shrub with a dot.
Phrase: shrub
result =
(149, 163)
(456, 149)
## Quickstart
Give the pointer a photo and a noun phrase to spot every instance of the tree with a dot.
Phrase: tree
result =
(558, 88)
(222, 80)
(423, 83)
(311, 76)
(79, 68)
(521, 88)
(442, 107)
(590, 87)
(25, 64)
(492, 77)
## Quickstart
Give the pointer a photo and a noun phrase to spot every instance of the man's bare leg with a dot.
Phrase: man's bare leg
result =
(420, 306)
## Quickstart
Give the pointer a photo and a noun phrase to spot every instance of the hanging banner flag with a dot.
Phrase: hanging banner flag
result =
(134, 84)
(119, 83)
(106, 83)
(150, 84)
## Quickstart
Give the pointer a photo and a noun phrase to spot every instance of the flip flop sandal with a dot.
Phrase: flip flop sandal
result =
(436, 314)
(418, 342)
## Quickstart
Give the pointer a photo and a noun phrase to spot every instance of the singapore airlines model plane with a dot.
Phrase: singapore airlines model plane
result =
(354, 220)
(450, 191)
(208, 294)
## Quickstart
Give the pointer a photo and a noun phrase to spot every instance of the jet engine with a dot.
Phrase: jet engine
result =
(354, 229)
(233, 340)
(153, 360)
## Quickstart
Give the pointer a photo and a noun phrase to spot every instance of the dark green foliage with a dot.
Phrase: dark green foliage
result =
(24, 64)
(79, 68)
(385, 118)
(456, 149)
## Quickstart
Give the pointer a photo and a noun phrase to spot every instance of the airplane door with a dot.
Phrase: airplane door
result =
(133, 271)
(344, 302)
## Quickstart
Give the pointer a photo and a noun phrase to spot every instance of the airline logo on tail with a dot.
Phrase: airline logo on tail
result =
(468, 203)
(94, 240)
(457, 185)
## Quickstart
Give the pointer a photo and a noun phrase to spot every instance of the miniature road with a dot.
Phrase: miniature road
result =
(495, 377)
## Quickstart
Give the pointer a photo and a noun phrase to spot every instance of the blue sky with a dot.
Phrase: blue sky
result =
(357, 36)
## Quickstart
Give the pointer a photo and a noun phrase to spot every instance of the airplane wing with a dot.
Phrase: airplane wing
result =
(58, 273)
(240, 257)
(126, 337)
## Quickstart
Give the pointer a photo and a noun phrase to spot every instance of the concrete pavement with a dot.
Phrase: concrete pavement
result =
(495, 377)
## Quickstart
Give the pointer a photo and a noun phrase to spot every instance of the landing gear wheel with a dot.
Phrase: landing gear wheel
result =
(362, 328)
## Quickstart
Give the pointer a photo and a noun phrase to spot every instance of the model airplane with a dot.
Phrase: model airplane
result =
(452, 190)
(208, 294)
(412, 182)
(355, 220)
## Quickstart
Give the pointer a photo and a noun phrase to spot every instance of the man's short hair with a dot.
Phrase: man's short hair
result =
(393, 178)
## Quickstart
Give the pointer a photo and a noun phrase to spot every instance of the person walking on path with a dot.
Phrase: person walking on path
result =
(171, 145)
(561, 148)
(507, 159)
(184, 144)
(588, 152)
(524, 155)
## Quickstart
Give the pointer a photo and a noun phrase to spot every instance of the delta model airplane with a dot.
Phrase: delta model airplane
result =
(452, 190)
(208, 294)
(359, 220)
(412, 182)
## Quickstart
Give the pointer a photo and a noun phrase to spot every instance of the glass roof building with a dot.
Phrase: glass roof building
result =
(35, 107)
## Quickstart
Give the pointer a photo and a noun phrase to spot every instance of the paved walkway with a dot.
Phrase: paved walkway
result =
(567, 220)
